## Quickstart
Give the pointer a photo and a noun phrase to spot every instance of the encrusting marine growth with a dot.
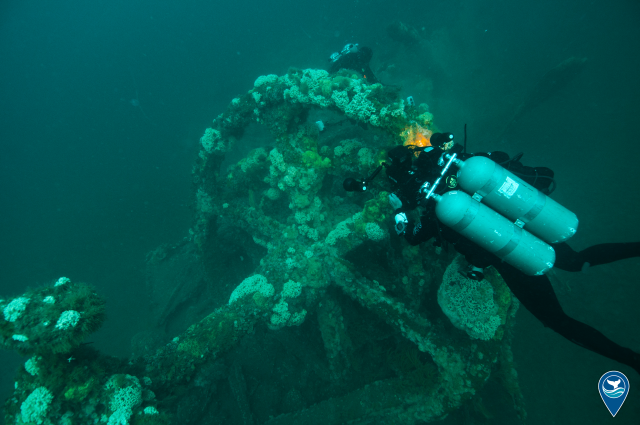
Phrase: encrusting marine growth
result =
(319, 242)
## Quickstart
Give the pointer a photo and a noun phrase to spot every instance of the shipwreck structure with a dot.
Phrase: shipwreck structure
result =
(289, 301)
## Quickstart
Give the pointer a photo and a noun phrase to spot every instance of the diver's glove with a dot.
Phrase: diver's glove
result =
(401, 223)
(395, 202)
(474, 273)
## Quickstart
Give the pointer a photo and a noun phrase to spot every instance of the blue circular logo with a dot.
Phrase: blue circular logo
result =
(613, 386)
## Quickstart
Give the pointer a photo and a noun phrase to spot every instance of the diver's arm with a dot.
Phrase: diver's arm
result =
(421, 231)
(367, 73)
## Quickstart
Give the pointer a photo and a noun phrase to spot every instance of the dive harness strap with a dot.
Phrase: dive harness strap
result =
(468, 217)
(496, 176)
(535, 210)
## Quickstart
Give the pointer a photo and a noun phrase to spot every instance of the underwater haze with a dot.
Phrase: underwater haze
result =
(103, 105)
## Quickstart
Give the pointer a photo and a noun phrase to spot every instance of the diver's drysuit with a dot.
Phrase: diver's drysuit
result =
(353, 57)
(407, 173)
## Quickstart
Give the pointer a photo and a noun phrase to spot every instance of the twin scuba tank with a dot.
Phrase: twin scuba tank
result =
(505, 215)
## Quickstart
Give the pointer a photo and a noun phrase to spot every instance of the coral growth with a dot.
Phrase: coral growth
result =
(330, 290)
(53, 318)
(469, 304)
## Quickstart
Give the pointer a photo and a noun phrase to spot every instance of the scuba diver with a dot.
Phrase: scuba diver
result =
(420, 176)
(356, 57)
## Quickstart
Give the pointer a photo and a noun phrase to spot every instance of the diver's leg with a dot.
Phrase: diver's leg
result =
(573, 261)
(537, 295)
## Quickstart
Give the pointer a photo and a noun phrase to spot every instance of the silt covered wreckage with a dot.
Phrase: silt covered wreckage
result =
(290, 301)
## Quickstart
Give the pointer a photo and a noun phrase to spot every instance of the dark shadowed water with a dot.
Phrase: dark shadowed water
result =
(102, 105)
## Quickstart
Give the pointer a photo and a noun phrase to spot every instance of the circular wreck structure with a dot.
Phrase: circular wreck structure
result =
(290, 301)
(397, 334)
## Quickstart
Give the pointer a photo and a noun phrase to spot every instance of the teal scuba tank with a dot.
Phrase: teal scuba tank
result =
(493, 232)
(508, 194)
(506, 216)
